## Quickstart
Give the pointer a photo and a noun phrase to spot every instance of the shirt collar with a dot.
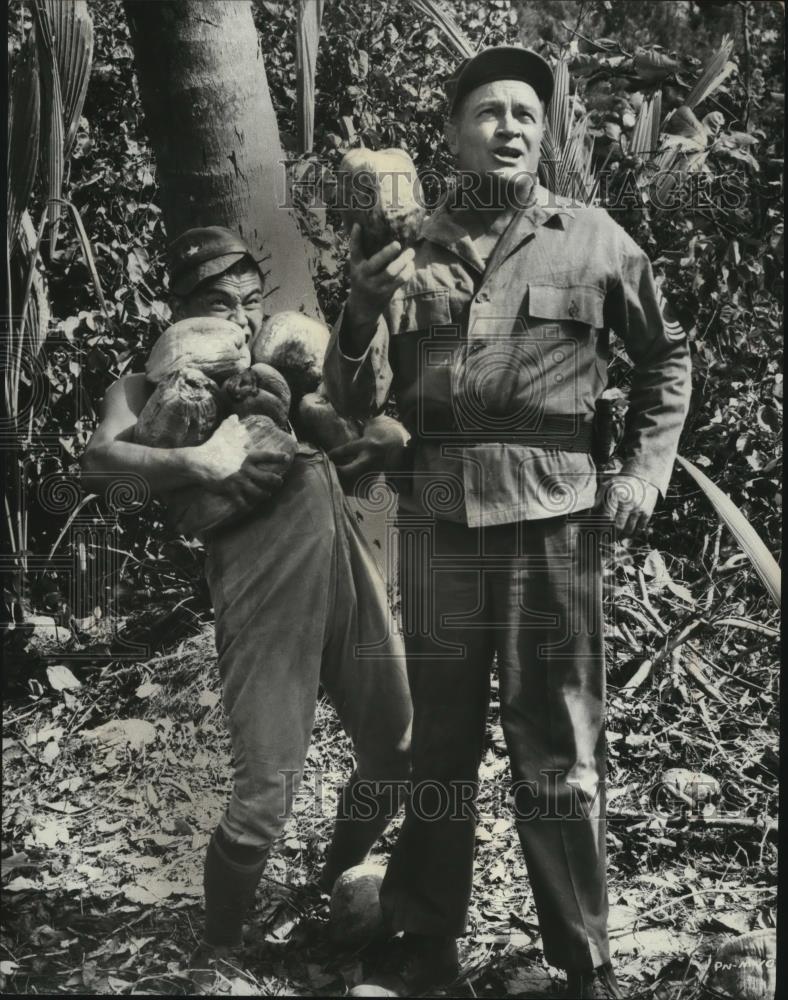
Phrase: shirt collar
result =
(443, 228)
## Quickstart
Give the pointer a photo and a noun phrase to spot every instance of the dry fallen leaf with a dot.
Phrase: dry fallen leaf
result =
(136, 732)
(147, 690)
(20, 884)
(61, 678)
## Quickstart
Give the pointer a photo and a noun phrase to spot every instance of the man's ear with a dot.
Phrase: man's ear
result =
(450, 131)
(177, 307)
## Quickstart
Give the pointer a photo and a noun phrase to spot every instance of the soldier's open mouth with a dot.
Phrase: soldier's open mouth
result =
(507, 154)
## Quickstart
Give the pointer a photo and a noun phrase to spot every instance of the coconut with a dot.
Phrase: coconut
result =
(380, 190)
(320, 424)
(216, 346)
(355, 916)
(260, 389)
(745, 967)
(295, 345)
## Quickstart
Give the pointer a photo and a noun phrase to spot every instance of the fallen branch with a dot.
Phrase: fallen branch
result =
(693, 671)
(647, 666)
(747, 623)
(679, 823)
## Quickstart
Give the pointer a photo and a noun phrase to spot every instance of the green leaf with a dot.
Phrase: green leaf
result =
(310, 16)
(24, 133)
(72, 34)
(453, 35)
(653, 66)
(52, 166)
(763, 561)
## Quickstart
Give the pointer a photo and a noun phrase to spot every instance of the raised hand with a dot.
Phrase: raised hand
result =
(374, 280)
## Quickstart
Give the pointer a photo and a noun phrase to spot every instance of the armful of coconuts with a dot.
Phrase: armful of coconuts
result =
(233, 414)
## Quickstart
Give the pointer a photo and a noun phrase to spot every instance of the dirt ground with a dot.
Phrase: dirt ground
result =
(115, 776)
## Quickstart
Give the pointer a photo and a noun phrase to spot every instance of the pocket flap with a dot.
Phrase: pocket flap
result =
(421, 311)
(577, 303)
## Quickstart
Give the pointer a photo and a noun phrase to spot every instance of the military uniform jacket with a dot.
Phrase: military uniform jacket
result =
(496, 366)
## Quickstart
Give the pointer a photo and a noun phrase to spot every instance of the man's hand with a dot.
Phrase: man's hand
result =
(629, 503)
(260, 476)
(373, 281)
(247, 479)
(379, 449)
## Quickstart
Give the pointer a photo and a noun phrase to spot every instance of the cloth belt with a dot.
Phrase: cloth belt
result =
(573, 432)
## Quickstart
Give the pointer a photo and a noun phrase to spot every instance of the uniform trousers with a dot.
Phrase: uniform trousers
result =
(529, 596)
(300, 602)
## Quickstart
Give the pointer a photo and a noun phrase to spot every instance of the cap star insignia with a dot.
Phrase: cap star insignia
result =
(191, 250)
(573, 310)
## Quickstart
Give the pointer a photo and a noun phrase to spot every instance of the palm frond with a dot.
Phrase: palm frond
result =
(656, 120)
(24, 133)
(718, 69)
(442, 19)
(72, 34)
(310, 16)
(752, 545)
(566, 151)
(640, 141)
(559, 112)
(51, 117)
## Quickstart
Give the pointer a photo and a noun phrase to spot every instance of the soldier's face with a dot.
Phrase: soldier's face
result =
(498, 130)
(236, 295)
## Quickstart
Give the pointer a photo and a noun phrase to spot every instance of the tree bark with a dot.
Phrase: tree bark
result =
(214, 133)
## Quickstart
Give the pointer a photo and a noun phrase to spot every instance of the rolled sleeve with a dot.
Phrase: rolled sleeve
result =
(358, 387)
(661, 381)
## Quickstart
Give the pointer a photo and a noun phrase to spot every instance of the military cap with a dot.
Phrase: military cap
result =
(205, 252)
(501, 62)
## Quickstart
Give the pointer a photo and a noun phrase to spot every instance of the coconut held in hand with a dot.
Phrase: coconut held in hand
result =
(295, 345)
(215, 346)
(355, 916)
(380, 190)
(260, 389)
(320, 424)
(183, 410)
(195, 511)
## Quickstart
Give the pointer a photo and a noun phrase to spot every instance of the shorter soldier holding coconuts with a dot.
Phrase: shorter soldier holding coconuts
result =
(298, 598)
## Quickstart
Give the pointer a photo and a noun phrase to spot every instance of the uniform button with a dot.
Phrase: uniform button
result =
(483, 297)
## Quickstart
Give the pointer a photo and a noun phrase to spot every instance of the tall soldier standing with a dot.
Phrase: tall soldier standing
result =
(493, 335)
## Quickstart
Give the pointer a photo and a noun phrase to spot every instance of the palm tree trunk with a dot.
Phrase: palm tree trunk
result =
(214, 133)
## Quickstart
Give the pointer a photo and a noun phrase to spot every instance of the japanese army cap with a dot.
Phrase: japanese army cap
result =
(198, 254)
(502, 62)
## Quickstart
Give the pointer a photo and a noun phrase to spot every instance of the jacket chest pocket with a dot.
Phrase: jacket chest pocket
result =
(421, 312)
(565, 304)
(509, 381)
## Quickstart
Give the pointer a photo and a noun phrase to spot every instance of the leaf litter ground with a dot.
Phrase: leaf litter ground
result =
(114, 779)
